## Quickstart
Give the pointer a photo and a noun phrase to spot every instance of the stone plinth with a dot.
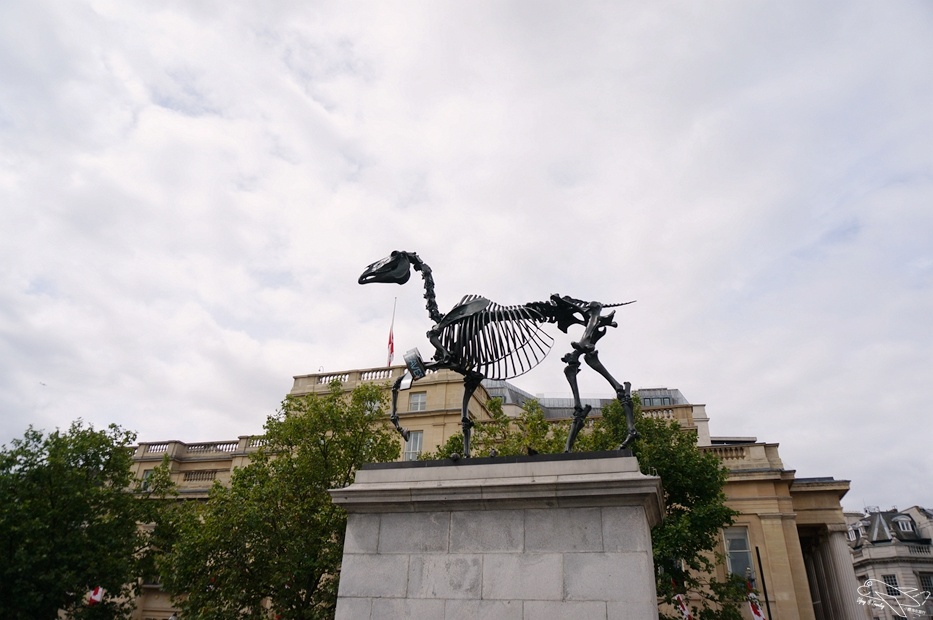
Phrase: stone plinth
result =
(562, 536)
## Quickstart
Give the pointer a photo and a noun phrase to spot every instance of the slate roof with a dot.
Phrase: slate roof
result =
(553, 408)
(884, 527)
(510, 394)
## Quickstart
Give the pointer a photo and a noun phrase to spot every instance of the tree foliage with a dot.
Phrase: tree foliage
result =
(68, 523)
(270, 544)
(505, 436)
(684, 544)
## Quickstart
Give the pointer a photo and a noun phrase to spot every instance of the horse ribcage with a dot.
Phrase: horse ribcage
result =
(500, 342)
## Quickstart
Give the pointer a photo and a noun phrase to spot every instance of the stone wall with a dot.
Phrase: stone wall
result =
(565, 538)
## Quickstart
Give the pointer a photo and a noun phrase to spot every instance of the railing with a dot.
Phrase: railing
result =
(728, 453)
(200, 475)
(226, 446)
(349, 378)
(376, 375)
(156, 447)
(341, 377)
(682, 414)
(663, 414)
(919, 550)
(255, 442)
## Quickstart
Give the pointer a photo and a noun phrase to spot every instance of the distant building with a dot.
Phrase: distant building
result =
(892, 553)
(789, 537)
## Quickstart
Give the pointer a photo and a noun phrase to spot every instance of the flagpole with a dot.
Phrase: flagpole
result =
(391, 346)
(764, 584)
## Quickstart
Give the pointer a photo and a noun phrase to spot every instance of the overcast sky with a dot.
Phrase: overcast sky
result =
(190, 190)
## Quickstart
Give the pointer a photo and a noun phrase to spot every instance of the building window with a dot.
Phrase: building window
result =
(926, 582)
(905, 525)
(413, 445)
(738, 552)
(418, 401)
(890, 585)
(146, 475)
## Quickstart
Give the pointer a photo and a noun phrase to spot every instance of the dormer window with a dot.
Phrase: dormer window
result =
(905, 525)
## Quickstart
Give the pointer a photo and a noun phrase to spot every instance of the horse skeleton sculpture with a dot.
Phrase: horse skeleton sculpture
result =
(481, 339)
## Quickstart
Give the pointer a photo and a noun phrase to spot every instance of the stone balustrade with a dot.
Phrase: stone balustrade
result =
(318, 382)
(177, 450)
(380, 374)
(747, 456)
(224, 446)
(670, 413)
(664, 413)
(328, 379)
(200, 475)
(729, 453)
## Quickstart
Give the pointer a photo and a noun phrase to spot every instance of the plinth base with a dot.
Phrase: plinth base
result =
(534, 537)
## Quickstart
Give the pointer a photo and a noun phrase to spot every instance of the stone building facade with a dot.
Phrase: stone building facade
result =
(789, 537)
(893, 560)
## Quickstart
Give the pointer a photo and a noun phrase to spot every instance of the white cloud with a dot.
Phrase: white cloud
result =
(190, 191)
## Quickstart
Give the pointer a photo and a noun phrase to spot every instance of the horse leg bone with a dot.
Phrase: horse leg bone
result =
(470, 383)
(579, 412)
(623, 394)
(393, 415)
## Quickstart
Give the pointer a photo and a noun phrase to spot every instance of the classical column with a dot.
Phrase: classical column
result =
(827, 578)
(813, 577)
(844, 575)
(800, 570)
(782, 548)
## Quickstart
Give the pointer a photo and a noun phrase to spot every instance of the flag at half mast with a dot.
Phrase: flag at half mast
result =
(391, 347)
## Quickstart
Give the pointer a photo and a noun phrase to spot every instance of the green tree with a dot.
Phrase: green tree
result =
(270, 544)
(68, 523)
(530, 431)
